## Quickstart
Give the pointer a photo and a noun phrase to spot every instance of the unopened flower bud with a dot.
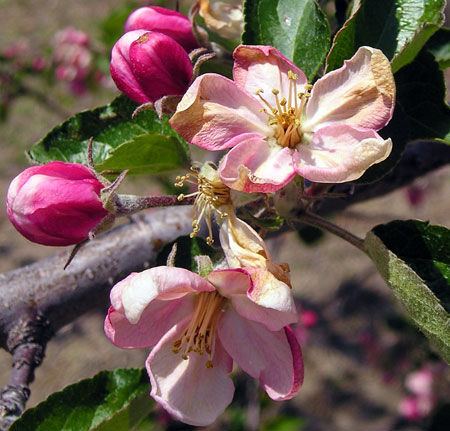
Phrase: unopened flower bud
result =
(165, 21)
(56, 204)
(146, 66)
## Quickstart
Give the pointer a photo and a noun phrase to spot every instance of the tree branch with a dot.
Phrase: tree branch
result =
(39, 299)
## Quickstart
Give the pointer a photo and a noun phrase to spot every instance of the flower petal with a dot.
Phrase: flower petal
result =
(187, 389)
(157, 318)
(266, 68)
(360, 93)
(163, 283)
(256, 166)
(272, 357)
(241, 243)
(340, 153)
(215, 110)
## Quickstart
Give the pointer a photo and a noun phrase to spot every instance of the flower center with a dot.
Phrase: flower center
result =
(287, 114)
(199, 335)
(210, 195)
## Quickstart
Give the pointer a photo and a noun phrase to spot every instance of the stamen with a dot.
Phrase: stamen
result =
(210, 195)
(199, 336)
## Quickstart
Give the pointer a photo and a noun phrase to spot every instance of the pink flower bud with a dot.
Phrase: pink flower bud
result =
(165, 21)
(149, 65)
(55, 204)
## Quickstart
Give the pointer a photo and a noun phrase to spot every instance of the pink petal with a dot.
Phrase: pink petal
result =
(120, 68)
(241, 243)
(165, 283)
(157, 318)
(264, 67)
(215, 110)
(256, 166)
(187, 389)
(272, 357)
(360, 93)
(340, 153)
(229, 282)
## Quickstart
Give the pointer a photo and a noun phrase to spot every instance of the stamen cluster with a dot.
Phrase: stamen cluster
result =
(285, 116)
(211, 194)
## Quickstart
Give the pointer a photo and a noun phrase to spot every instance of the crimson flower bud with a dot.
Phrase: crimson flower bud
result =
(146, 66)
(55, 204)
(165, 21)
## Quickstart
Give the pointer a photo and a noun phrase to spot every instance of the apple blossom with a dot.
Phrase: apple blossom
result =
(55, 204)
(165, 21)
(197, 327)
(224, 17)
(278, 126)
(147, 65)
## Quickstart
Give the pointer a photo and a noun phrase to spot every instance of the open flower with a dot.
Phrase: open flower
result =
(277, 127)
(197, 327)
(224, 17)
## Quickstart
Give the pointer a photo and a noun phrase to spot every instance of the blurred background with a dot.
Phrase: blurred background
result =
(366, 366)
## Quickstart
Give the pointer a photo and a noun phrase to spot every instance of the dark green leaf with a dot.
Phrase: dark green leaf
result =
(310, 235)
(187, 249)
(147, 154)
(414, 258)
(111, 126)
(400, 28)
(270, 223)
(421, 113)
(298, 28)
(112, 26)
(112, 400)
(439, 46)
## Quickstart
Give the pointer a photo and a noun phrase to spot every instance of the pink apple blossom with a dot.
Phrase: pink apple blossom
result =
(277, 127)
(55, 204)
(165, 21)
(197, 328)
(148, 65)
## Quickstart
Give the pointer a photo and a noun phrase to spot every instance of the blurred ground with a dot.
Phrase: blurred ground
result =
(345, 387)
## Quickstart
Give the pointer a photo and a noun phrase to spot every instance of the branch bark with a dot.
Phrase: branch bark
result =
(38, 299)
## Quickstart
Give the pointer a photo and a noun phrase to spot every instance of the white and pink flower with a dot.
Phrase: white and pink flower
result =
(197, 328)
(276, 128)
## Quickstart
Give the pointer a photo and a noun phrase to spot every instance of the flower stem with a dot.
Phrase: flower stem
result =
(130, 204)
(317, 221)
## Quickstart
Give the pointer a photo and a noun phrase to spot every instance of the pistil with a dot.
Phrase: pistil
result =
(199, 336)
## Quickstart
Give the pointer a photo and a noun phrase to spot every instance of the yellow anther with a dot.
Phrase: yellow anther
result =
(258, 91)
(292, 75)
(275, 91)
(209, 364)
(283, 101)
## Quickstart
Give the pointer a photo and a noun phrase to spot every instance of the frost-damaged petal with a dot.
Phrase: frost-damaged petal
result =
(271, 304)
(340, 153)
(275, 358)
(241, 243)
(214, 110)
(265, 67)
(187, 389)
(157, 318)
(255, 166)
(163, 283)
(360, 93)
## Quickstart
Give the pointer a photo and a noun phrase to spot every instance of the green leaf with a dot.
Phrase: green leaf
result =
(147, 154)
(298, 28)
(439, 46)
(400, 28)
(110, 401)
(187, 249)
(111, 126)
(112, 26)
(421, 113)
(414, 258)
